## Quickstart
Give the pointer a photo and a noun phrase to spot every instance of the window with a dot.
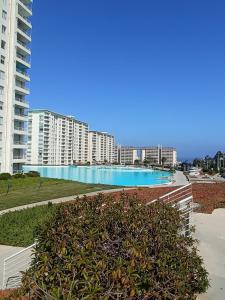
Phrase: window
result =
(3, 43)
(3, 29)
(1, 105)
(2, 75)
(1, 120)
(0, 136)
(4, 15)
(2, 59)
(1, 90)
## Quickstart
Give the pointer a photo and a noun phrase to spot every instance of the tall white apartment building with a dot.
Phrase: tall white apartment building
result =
(15, 39)
(101, 147)
(55, 139)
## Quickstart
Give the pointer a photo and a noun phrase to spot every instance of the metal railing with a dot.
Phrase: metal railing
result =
(25, 18)
(23, 44)
(19, 128)
(14, 265)
(23, 58)
(19, 157)
(182, 200)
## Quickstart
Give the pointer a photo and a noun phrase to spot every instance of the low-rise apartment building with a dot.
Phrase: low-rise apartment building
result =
(126, 155)
(55, 139)
(154, 155)
(101, 147)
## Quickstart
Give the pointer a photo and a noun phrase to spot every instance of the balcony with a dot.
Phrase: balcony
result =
(19, 144)
(21, 102)
(20, 88)
(21, 116)
(24, 21)
(23, 60)
(24, 8)
(22, 75)
(22, 48)
(19, 158)
(24, 34)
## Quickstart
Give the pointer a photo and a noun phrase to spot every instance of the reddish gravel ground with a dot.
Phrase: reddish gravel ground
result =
(209, 195)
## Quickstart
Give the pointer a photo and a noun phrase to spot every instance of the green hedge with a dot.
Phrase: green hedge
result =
(5, 176)
(33, 174)
(107, 249)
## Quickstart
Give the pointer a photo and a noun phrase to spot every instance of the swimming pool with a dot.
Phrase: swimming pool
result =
(122, 176)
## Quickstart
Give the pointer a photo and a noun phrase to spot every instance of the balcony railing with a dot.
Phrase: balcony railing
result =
(19, 143)
(23, 44)
(19, 128)
(22, 73)
(24, 31)
(25, 5)
(19, 157)
(22, 57)
(21, 114)
(21, 100)
(25, 18)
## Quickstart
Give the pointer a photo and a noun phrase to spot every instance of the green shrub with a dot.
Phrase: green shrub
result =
(107, 249)
(19, 175)
(5, 176)
(33, 174)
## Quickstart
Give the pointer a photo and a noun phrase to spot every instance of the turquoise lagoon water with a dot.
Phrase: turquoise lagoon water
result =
(122, 176)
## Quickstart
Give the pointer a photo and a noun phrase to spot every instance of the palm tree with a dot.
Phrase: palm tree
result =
(164, 159)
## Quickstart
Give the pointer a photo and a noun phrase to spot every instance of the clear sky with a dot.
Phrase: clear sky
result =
(148, 71)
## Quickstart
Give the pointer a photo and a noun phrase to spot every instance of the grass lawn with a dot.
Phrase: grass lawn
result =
(17, 228)
(30, 190)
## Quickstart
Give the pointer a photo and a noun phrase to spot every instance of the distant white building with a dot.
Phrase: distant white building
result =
(101, 147)
(154, 155)
(15, 52)
(127, 155)
(55, 139)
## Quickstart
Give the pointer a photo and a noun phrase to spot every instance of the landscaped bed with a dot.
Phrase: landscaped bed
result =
(17, 192)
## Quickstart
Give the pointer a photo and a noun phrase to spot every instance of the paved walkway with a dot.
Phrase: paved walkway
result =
(210, 231)
(180, 179)
(6, 251)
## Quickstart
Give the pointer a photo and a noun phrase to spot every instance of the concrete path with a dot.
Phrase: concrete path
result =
(62, 200)
(210, 231)
(180, 179)
(6, 251)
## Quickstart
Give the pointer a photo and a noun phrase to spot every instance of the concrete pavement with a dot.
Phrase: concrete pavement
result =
(210, 231)
(6, 251)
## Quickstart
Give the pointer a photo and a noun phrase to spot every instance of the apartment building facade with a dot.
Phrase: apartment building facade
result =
(15, 39)
(158, 155)
(101, 147)
(55, 139)
(127, 155)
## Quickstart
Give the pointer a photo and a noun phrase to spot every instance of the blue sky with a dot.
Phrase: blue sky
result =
(148, 71)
